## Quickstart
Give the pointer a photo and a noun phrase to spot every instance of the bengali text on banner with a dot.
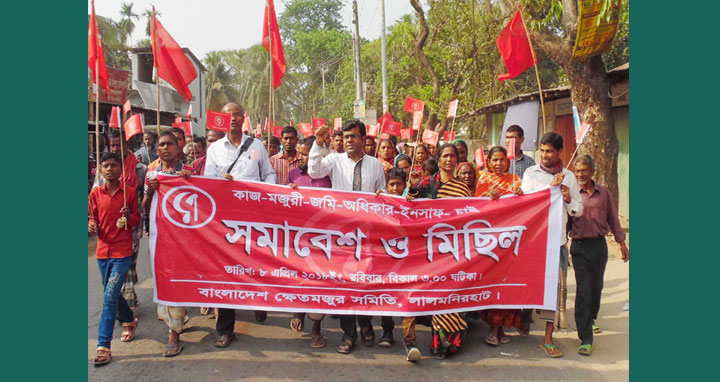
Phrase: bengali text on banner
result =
(251, 245)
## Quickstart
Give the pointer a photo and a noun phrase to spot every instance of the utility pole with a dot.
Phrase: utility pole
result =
(357, 53)
(386, 108)
(322, 71)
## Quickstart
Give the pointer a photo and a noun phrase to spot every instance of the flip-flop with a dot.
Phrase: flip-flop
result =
(318, 341)
(551, 351)
(596, 329)
(505, 340)
(585, 349)
(493, 341)
(169, 354)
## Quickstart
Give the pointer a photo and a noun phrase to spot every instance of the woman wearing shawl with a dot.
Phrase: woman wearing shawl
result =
(386, 153)
(466, 173)
(447, 329)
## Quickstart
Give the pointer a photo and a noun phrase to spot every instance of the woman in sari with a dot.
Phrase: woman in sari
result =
(386, 153)
(447, 329)
(421, 154)
(466, 173)
(495, 183)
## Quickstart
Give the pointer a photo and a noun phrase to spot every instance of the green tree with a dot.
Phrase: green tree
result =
(148, 15)
(554, 28)
(127, 24)
(113, 40)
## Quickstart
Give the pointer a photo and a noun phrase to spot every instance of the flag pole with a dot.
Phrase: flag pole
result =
(97, 115)
(122, 160)
(270, 91)
(537, 73)
(157, 74)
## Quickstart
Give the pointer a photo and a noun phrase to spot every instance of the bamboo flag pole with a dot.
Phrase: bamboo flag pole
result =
(270, 91)
(97, 119)
(537, 74)
(157, 74)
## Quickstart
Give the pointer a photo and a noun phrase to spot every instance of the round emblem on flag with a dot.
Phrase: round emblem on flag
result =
(415, 105)
(188, 207)
(218, 121)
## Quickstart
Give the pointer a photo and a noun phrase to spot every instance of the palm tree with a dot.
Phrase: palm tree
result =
(127, 23)
(220, 85)
(148, 14)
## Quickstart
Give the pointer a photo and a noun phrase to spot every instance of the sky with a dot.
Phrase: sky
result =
(207, 25)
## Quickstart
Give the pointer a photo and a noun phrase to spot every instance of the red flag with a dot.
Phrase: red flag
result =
(479, 157)
(305, 129)
(178, 119)
(338, 123)
(417, 120)
(412, 105)
(452, 108)
(584, 127)
(385, 117)
(430, 137)
(372, 130)
(273, 35)
(515, 48)
(187, 128)
(406, 134)
(511, 149)
(384, 136)
(258, 131)
(218, 121)
(133, 126)
(127, 107)
(317, 122)
(392, 128)
(246, 125)
(448, 135)
(277, 131)
(115, 117)
(170, 60)
(96, 52)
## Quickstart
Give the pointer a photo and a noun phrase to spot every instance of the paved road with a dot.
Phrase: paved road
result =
(272, 352)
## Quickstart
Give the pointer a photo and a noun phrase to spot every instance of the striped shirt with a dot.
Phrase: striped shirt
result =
(433, 188)
(282, 166)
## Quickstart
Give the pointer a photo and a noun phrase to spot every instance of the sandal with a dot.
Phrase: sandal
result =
(102, 357)
(318, 341)
(177, 349)
(204, 311)
(492, 340)
(224, 340)
(596, 329)
(296, 324)
(551, 351)
(345, 347)
(128, 333)
(585, 349)
(369, 338)
(504, 339)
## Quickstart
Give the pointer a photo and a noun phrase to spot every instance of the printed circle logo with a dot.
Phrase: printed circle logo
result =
(219, 121)
(415, 105)
(188, 206)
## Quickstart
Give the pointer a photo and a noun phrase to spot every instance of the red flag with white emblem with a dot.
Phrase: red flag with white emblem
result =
(338, 123)
(218, 121)
(413, 105)
(479, 157)
(406, 134)
(372, 130)
(133, 126)
(448, 135)
(430, 137)
(417, 120)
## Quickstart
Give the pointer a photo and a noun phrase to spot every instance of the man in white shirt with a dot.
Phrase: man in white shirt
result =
(351, 170)
(550, 172)
(233, 158)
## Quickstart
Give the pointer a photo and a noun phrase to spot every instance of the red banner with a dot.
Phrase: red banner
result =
(372, 130)
(338, 123)
(448, 136)
(218, 121)
(277, 131)
(406, 134)
(317, 122)
(392, 127)
(258, 246)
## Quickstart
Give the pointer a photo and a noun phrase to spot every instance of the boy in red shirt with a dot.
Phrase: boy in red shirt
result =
(114, 212)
